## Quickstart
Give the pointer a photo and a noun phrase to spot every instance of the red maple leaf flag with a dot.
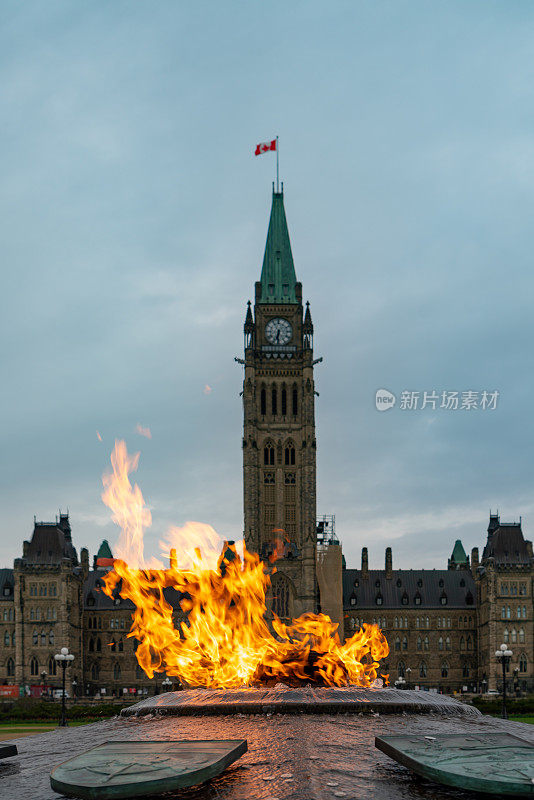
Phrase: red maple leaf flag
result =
(265, 147)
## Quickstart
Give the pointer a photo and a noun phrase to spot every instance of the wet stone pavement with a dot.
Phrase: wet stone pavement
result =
(294, 756)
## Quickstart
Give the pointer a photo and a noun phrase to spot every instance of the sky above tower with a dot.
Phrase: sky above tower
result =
(133, 223)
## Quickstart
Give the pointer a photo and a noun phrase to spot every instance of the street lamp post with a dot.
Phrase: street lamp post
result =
(64, 658)
(484, 684)
(74, 685)
(166, 684)
(400, 683)
(408, 673)
(504, 655)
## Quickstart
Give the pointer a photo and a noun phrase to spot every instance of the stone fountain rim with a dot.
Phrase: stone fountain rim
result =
(301, 700)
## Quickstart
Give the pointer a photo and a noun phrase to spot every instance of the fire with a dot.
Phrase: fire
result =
(222, 638)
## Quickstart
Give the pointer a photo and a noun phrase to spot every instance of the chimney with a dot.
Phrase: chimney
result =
(25, 549)
(529, 548)
(84, 557)
(365, 563)
(389, 563)
(474, 561)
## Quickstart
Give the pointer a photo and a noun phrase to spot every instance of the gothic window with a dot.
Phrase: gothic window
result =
(295, 401)
(508, 612)
(399, 583)
(462, 643)
(6, 639)
(289, 455)
(95, 671)
(99, 623)
(426, 643)
(522, 663)
(263, 401)
(281, 595)
(274, 401)
(422, 670)
(353, 600)
(506, 635)
(113, 646)
(444, 670)
(404, 643)
(268, 455)
(284, 401)
(378, 600)
(440, 643)
(52, 666)
(513, 637)
(34, 666)
(448, 643)
(417, 599)
(121, 645)
(405, 599)
(35, 638)
(465, 672)
(401, 669)
(10, 668)
(417, 622)
(396, 622)
(443, 599)
(518, 612)
(51, 637)
(428, 622)
(43, 640)
(32, 614)
(91, 645)
(419, 643)
(116, 672)
(521, 635)
(397, 643)
(98, 645)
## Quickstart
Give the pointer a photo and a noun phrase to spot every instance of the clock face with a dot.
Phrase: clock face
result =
(278, 331)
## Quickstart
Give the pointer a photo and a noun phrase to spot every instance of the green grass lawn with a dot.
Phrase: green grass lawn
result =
(15, 730)
(529, 718)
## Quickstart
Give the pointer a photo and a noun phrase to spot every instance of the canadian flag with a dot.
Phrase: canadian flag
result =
(264, 147)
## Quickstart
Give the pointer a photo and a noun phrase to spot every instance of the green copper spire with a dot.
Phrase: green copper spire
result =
(278, 277)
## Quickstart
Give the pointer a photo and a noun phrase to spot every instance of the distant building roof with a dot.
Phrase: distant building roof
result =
(50, 543)
(104, 551)
(458, 557)
(408, 586)
(7, 582)
(506, 544)
(94, 598)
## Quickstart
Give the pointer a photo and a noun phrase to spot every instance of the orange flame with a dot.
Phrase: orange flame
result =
(219, 636)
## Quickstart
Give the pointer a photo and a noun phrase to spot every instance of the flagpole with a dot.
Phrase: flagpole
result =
(277, 189)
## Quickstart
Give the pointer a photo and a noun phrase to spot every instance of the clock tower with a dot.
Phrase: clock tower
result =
(279, 446)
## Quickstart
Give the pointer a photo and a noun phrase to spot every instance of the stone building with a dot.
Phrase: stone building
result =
(279, 444)
(444, 626)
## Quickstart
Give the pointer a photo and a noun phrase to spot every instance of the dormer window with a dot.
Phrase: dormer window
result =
(353, 600)
(420, 583)
(378, 600)
(417, 599)
(405, 600)
(377, 584)
(399, 583)
(271, 288)
(356, 583)
(441, 584)
(443, 599)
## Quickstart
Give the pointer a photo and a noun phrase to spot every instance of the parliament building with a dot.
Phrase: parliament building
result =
(442, 625)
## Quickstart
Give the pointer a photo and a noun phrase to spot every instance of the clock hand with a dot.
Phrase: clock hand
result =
(278, 335)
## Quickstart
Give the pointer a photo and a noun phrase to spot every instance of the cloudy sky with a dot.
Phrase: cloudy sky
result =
(133, 218)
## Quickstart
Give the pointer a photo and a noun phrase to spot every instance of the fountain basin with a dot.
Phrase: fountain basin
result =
(300, 700)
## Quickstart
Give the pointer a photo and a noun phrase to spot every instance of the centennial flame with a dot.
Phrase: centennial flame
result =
(221, 637)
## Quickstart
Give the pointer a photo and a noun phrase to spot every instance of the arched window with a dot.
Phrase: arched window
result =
(419, 643)
(52, 666)
(113, 646)
(98, 645)
(469, 643)
(289, 455)
(422, 670)
(401, 669)
(6, 639)
(10, 668)
(34, 666)
(514, 636)
(448, 643)
(95, 671)
(462, 643)
(396, 622)
(43, 639)
(522, 663)
(444, 670)
(121, 645)
(263, 401)
(91, 645)
(440, 643)
(465, 671)
(508, 612)
(274, 401)
(13, 639)
(281, 596)
(404, 643)
(295, 401)
(35, 638)
(268, 454)
(428, 622)
(522, 635)
(425, 643)
(506, 635)
(51, 637)
(443, 599)
(284, 401)
(116, 672)
(405, 599)
(397, 643)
